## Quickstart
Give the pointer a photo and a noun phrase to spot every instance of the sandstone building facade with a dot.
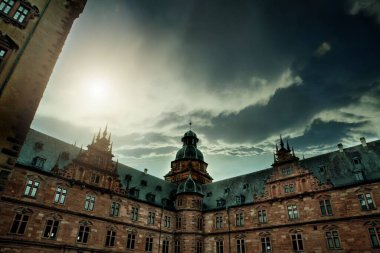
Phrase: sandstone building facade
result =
(61, 198)
(32, 34)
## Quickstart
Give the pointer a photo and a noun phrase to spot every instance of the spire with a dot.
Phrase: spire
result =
(287, 146)
(117, 164)
(93, 140)
(276, 148)
(98, 137)
(281, 142)
(190, 123)
(293, 151)
(81, 148)
(109, 137)
(111, 148)
(105, 131)
(274, 157)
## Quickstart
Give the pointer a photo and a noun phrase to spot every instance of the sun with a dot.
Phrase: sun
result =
(98, 88)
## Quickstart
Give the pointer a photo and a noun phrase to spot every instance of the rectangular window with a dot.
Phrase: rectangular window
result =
(167, 221)
(374, 235)
(265, 245)
(115, 208)
(95, 178)
(240, 246)
(218, 222)
(149, 244)
(110, 238)
(199, 247)
(366, 201)
(60, 195)
(38, 162)
(262, 214)
(289, 188)
(89, 203)
(165, 246)
(31, 188)
(297, 242)
(134, 213)
(292, 212)
(19, 224)
(333, 241)
(21, 14)
(359, 176)
(131, 238)
(239, 221)
(6, 6)
(51, 229)
(286, 171)
(219, 246)
(151, 217)
(84, 232)
(177, 246)
(199, 223)
(325, 206)
(178, 223)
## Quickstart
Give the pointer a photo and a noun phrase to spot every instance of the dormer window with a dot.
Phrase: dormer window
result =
(356, 161)
(134, 192)
(65, 156)
(240, 199)
(226, 190)
(38, 146)
(150, 197)
(322, 169)
(143, 183)
(158, 188)
(220, 202)
(38, 162)
(359, 175)
(209, 194)
(245, 186)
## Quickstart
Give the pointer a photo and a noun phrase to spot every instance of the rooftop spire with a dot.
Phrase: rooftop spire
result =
(287, 145)
(190, 125)
(281, 142)
(105, 131)
(293, 151)
(276, 148)
(98, 137)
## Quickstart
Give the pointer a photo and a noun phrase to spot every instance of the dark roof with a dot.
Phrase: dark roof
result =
(336, 167)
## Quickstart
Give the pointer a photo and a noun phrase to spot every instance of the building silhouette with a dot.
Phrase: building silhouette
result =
(32, 34)
(61, 198)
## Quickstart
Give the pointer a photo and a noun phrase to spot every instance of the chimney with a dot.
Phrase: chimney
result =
(145, 171)
(340, 146)
(363, 141)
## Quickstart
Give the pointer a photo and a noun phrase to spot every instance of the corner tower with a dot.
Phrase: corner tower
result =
(189, 159)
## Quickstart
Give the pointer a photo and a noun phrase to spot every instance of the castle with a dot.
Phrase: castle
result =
(61, 198)
(56, 197)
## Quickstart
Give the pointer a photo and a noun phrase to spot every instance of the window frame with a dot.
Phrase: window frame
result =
(9, 17)
(149, 244)
(83, 235)
(219, 222)
(368, 206)
(293, 213)
(329, 235)
(31, 189)
(115, 209)
(177, 246)
(296, 238)
(262, 216)
(165, 246)
(60, 196)
(199, 246)
(240, 246)
(131, 240)
(239, 219)
(219, 245)
(20, 223)
(54, 226)
(110, 238)
(89, 204)
(375, 233)
(324, 207)
(265, 242)
(134, 213)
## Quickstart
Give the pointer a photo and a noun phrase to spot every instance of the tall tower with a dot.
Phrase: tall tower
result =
(32, 34)
(189, 159)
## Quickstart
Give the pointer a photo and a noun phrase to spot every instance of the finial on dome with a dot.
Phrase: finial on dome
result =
(190, 123)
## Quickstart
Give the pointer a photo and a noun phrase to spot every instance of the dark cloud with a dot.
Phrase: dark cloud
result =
(322, 133)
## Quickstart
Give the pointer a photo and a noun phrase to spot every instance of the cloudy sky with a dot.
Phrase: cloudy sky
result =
(243, 72)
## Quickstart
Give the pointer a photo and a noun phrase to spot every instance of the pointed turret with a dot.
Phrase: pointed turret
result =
(287, 146)
(105, 131)
(283, 154)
